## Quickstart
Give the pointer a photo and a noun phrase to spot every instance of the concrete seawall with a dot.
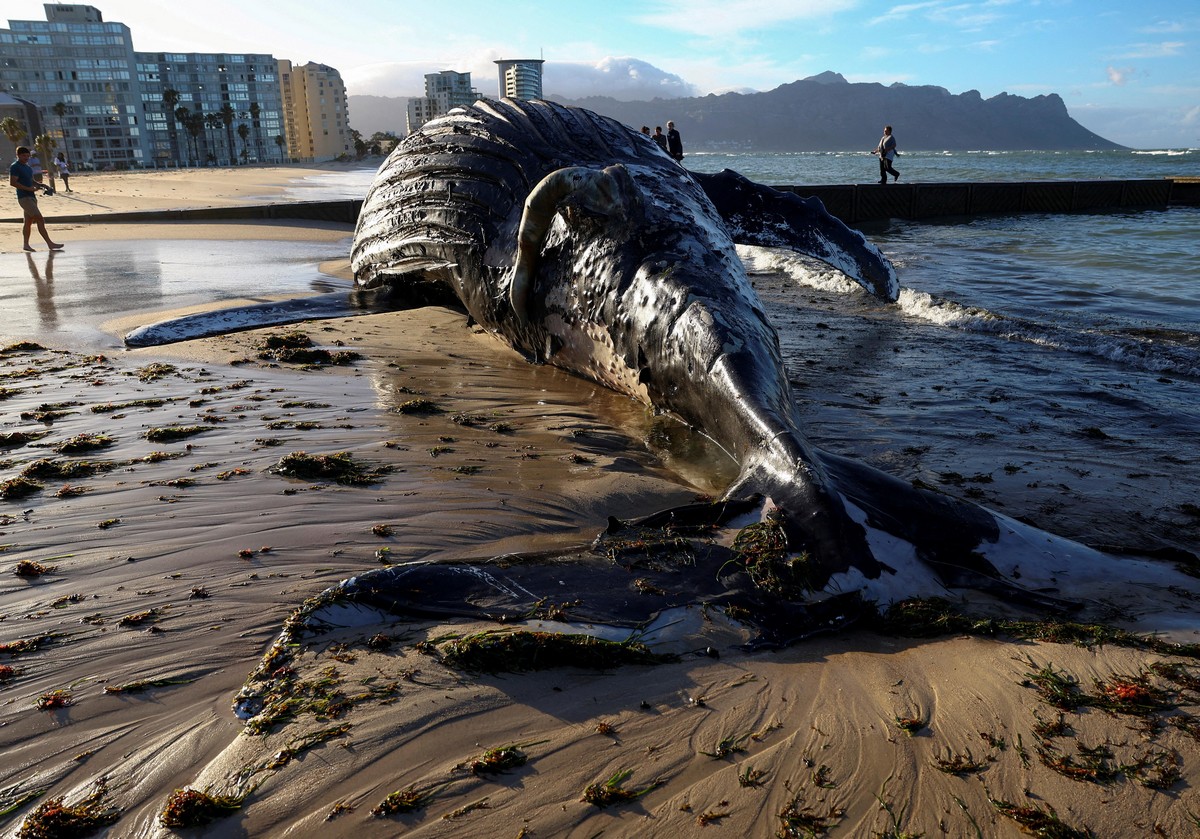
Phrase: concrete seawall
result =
(852, 203)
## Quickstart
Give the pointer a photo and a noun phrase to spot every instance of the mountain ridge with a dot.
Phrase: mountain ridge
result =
(826, 112)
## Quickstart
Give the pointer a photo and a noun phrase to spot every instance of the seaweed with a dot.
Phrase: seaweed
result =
(611, 792)
(155, 371)
(799, 821)
(418, 406)
(172, 433)
(338, 467)
(29, 569)
(501, 759)
(190, 807)
(18, 487)
(85, 442)
(143, 685)
(110, 407)
(516, 651)
(62, 470)
(1044, 824)
(763, 549)
(297, 348)
(406, 800)
(54, 700)
(13, 439)
(55, 820)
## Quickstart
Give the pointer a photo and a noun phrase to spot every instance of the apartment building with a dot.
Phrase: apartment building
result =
(315, 111)
(443, 90)
(521, 78)
(112, 107)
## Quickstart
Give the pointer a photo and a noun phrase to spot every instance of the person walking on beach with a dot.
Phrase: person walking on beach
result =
(64, 170)
(886, 150)
(674, 143)
(20, 177)
(659, 137)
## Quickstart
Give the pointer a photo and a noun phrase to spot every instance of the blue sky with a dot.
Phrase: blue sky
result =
(1128, 70)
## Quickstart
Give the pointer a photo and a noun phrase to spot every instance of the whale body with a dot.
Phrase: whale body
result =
(578, 242)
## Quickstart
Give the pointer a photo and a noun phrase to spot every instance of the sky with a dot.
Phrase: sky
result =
(1128, 70)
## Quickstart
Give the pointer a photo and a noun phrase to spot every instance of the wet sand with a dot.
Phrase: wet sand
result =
(173, 574)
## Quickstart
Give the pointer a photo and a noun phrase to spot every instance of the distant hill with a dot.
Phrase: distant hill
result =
(369, 114)
(828, 113)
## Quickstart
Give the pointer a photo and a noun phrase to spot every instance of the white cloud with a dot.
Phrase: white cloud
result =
(1118, 75)
(725, 18)
(1162, 50)
(628, 79)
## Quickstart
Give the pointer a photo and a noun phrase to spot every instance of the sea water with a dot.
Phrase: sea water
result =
(1047, 366)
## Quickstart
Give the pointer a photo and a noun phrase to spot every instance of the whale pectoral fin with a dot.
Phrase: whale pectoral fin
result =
(767, 217)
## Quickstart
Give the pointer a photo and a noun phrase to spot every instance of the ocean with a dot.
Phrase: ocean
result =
(1047, 366)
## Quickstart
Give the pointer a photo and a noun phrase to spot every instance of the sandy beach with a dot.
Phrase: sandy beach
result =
(154, 545)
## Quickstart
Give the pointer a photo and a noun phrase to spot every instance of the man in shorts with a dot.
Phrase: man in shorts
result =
(20, 177)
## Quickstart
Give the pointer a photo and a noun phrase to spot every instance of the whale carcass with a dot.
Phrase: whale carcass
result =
(578, 242)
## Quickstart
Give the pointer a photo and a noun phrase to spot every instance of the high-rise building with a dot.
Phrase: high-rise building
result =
(211, 107)
(315, 113)
(521, 78)
(110, 106)
(76, 59)
(443, 91)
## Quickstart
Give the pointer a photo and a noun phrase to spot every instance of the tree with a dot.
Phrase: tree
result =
(45, 145)
(213, 121)
(255, 113)
(279, 141)
(243, 131)
(360, 145)
(60, 111)
(12, 129)
(170, 100)
(228, 114)
(195, 127)
(182, 115)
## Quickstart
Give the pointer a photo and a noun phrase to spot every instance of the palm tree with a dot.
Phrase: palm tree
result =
(12, 129)
(60, 111)
(243, 131)
(255, 111)
(212, 121)
(279, 141)
(45, 145)
(195, 127)
(170, 101)
(228, 114)
(181, 116)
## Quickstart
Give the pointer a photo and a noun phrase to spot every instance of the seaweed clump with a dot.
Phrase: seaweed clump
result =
(55, 820)
(192, 808)
(611, 792)
(297, 348)
(762, 548)
(338, 467)
(502, 651)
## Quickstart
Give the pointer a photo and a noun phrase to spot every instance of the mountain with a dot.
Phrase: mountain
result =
(369, 114)
(828, 113)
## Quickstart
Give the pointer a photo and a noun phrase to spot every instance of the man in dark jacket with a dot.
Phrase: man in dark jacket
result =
(674, 144)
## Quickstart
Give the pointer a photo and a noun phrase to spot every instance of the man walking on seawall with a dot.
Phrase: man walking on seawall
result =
(20, 177)
(887, 153)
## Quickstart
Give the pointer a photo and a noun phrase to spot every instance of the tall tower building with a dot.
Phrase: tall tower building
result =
(316, 116)
(521, 78)
(443, 91)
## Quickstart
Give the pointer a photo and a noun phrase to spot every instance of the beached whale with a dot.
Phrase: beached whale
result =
(575, 240)
(582, 245)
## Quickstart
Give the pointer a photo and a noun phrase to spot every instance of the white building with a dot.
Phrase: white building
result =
(443, 91)
(521, 78)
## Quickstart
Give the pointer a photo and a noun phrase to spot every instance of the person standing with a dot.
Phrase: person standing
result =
(64, 170)
(674, 143)
(659, 137)
(886, 151)
(20, 177)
